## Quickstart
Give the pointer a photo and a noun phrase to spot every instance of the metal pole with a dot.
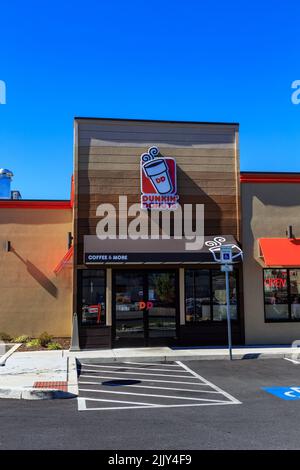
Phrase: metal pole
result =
(228, 315)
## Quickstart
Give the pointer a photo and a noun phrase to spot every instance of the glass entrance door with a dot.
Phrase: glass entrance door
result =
(162, 305)
(144, 307)
(129, 321)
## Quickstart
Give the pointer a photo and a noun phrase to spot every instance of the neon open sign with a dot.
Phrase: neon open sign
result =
(277, 282)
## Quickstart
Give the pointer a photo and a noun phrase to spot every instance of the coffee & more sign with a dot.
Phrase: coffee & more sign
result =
(158, 181)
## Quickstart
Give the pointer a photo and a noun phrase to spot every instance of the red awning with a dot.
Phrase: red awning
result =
(65, 261)
(280, 251)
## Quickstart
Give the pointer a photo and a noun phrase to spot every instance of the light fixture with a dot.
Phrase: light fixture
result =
(7, 246)
(289, 232)
(70, 240)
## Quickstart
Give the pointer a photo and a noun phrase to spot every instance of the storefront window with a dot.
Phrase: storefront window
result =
(295, 293)
(205, 295)
(276, 294)
(93, 298)
(197, 295)
(219, 296)
(282, 294)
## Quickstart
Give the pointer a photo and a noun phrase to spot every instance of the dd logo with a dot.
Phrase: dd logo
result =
(145, 305)
(161, 179)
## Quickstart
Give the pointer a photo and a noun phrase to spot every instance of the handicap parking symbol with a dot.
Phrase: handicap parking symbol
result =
(285, 393)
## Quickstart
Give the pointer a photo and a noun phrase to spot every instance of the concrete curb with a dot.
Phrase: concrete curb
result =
(21, 393)
(72, 376)
(184, 357)
(9, 353)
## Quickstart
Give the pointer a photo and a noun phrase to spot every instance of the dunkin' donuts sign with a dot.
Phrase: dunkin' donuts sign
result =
(158, 181)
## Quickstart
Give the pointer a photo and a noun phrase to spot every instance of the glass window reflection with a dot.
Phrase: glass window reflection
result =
(205, 295)
(93, 311)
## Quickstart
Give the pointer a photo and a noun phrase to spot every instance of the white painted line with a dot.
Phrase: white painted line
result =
(81, 404)
(137, 373)
(144, 380)
(134, 405)
(291, 360)
(119, 408)
(150, 395)
(215, 387)
(157, 406)
(157, 388)
(151, 364)
(120, 401)
(128, 367)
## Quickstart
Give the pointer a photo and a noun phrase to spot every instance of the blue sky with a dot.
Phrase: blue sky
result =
(192, 60)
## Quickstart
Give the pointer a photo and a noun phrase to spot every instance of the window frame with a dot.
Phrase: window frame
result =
(79, 293)
(281, 320)
(212, 321)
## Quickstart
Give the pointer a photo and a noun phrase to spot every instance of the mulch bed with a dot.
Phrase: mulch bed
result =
(64, 342)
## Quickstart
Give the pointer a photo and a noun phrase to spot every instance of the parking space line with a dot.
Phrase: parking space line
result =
(150, 395)
(292, 360)
(109, 408)
(128, 367)
(151, 364)
(146, 380)
(121, 401)
(215, 387)
(160, 388)
(140, 373)
(81, 403)
(154, 406)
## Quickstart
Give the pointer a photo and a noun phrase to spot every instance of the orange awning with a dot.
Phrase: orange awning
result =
(280, 251)
(65, 261)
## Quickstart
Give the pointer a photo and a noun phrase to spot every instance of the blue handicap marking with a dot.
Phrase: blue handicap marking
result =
(286, 393)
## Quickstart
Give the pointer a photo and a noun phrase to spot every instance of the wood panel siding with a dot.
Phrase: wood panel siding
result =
(207, 151)
(107, 158)
(124, 165)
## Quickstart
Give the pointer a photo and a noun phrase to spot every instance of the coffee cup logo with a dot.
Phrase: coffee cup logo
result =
(158, 173)
(158, 181)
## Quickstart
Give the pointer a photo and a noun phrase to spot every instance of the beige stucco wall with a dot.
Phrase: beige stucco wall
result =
(267, 210)
(32, 298)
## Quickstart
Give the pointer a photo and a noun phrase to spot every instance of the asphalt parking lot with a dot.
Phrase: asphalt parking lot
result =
(258, 418)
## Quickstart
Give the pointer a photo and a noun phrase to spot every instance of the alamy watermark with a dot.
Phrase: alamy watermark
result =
(123, 222)
(295, 96)
(2, 92)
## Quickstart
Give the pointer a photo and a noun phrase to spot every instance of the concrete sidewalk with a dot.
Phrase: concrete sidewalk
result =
(38, 375)
(181, 354)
